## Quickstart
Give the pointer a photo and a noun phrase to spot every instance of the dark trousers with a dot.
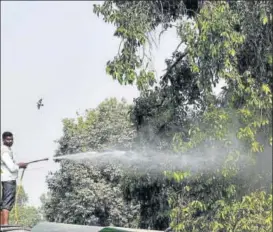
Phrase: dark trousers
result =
(8, 194)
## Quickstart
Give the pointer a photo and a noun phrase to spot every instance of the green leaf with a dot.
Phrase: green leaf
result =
(232, 52)
(265, 20)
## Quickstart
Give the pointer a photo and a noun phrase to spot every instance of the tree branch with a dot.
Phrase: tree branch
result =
(174, 64)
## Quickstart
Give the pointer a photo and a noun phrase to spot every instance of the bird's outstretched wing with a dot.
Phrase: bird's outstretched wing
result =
(39, 103)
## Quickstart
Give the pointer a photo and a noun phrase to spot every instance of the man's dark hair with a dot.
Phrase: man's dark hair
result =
(6, 134)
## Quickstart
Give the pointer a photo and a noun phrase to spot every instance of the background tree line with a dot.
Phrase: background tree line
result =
(178, 114)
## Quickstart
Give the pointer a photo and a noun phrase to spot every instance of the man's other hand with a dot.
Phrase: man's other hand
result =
(22, 165)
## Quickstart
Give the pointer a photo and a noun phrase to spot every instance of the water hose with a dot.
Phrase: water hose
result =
(20, 188)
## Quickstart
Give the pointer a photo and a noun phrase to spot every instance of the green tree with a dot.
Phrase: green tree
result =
(224, 41)
(248, 103)
(87, 193)
(102, 195)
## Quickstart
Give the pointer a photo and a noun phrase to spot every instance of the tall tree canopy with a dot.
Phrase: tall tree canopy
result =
(229, 41)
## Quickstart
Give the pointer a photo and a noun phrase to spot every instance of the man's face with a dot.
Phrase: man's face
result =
(8, 141)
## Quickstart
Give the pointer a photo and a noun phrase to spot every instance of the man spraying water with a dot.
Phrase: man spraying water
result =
(9, 175)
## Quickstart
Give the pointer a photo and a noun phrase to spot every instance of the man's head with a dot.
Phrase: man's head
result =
(7, 138)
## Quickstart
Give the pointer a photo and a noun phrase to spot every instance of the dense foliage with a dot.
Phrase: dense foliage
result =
(84, 193)
(225, 41)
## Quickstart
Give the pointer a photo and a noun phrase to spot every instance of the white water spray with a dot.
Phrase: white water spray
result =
(150, 161)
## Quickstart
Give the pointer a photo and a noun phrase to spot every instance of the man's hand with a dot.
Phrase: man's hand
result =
(22, 165)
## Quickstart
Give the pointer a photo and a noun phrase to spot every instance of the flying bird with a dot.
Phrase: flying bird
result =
(40, 104)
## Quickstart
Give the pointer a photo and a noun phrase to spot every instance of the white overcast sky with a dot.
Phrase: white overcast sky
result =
(58, 51)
